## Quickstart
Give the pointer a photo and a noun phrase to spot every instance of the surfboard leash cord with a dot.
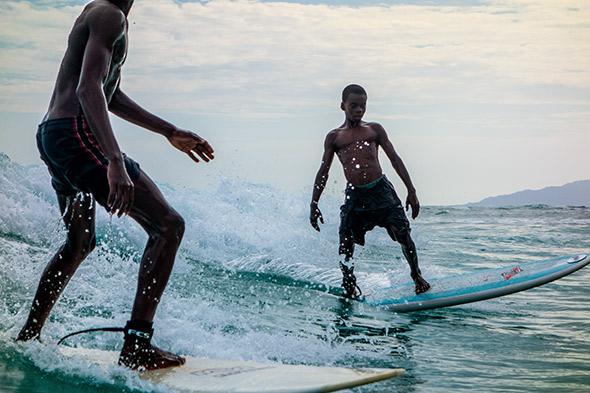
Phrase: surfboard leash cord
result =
(102, 329)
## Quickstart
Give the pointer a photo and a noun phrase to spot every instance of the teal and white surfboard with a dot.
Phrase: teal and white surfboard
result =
(473, 287)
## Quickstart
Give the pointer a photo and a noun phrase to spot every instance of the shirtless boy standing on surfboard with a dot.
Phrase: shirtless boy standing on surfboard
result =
(77, 143)
(370, 198)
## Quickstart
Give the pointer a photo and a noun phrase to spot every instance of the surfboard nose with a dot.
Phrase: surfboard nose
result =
(577, 258)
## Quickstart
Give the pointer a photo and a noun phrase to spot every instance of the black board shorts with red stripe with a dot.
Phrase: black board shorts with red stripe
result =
(75, 161)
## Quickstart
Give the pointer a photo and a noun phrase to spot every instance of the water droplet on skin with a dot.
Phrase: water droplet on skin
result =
(86, 230)
(59, 273)
(357, 166)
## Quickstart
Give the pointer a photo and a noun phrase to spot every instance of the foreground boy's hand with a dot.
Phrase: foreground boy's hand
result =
(412, 200)
(121, 192)
(314, 215)
(191, 144)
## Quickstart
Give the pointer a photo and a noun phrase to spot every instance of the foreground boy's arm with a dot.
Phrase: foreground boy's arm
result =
(186, 141)
(400, 168)
(321, 179)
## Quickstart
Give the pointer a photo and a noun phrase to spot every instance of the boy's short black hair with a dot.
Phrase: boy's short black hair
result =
(352, 89)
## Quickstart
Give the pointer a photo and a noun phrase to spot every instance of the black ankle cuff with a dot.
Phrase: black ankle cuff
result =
(139, 330)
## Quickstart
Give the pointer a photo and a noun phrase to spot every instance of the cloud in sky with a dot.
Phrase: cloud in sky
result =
(231, 48)
(495, 68)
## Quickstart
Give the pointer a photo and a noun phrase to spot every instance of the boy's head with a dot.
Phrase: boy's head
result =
(354, 103)
(353, 89)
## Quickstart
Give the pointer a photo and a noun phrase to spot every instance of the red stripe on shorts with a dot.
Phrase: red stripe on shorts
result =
(91, 137)
(76, 133)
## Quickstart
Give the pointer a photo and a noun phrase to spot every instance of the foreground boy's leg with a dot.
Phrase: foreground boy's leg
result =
(78, 215)
(165, 228)
(409, 250)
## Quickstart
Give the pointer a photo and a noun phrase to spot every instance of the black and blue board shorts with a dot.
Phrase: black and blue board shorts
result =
(368, 206)
(75, 161)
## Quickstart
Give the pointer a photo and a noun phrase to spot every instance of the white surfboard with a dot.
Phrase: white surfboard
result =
(473, 287)
(234, 376)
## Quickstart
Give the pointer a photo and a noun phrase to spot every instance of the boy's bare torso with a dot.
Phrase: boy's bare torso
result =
(357, 149)
(64, 100)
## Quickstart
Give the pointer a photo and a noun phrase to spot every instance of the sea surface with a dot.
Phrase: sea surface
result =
(252, 281)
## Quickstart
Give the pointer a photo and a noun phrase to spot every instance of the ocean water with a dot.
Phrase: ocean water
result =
(251, 280)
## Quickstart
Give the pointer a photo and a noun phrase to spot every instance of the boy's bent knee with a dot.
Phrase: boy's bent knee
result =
(173, 225)
(402, 236)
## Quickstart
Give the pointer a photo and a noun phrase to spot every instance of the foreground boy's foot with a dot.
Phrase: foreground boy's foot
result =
(139, 354)
(146, 358)
(28, 333)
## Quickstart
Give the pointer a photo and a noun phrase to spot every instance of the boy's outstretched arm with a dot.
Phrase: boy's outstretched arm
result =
(400, 168)
(321, 178)
(186, 141)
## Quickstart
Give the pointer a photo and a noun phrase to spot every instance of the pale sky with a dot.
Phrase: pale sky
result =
(479, 97)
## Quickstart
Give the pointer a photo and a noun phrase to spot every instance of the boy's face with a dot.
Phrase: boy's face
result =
(354, 107)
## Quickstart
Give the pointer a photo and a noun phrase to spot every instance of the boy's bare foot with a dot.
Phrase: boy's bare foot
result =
(28, 333)
(421, 285)
(148, 357)
(351, 289)
(139, 354)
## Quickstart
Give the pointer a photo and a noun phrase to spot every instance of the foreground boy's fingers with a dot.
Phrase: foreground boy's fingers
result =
(114, 205)
(198, 150)
(191, 155)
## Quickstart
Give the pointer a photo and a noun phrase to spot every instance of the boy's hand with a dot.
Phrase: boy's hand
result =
(412, 200)
(191, 144)
(314, 215)
(120, 188)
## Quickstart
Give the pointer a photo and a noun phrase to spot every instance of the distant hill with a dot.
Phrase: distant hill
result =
(570, 194)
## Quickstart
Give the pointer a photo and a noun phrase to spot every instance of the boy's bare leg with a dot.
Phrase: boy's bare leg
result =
(409, 250)
(351, 289)
(78, 212)
(165, 228)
